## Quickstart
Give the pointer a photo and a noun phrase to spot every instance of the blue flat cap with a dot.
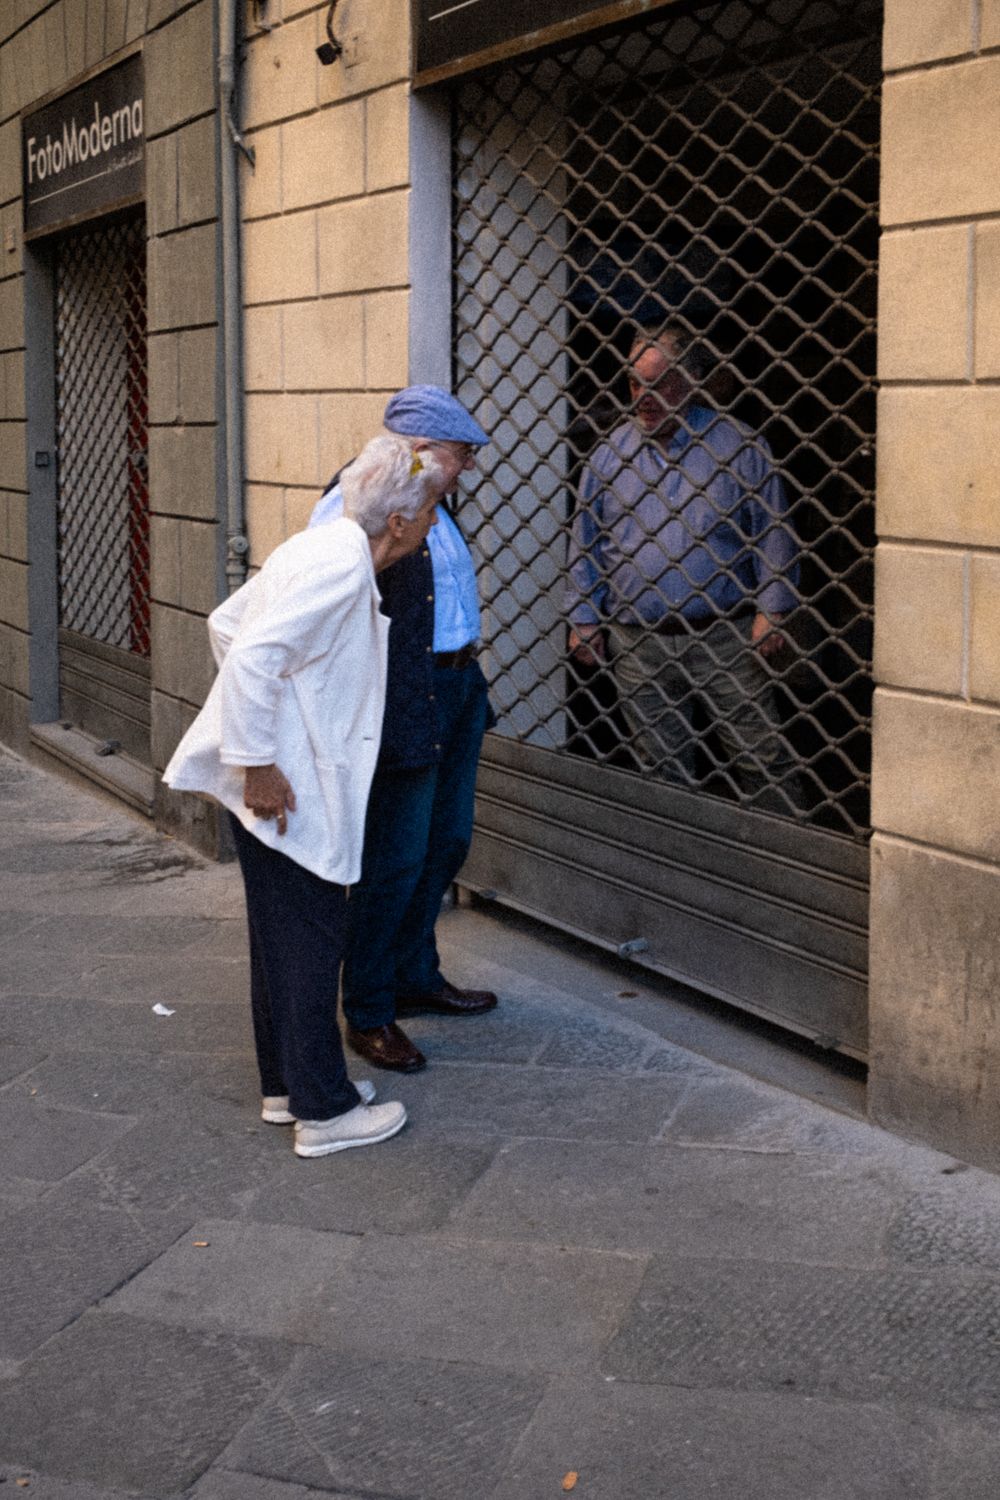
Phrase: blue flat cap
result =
(428, 411)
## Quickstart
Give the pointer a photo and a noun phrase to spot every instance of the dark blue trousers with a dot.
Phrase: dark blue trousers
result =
(297, 926)
(417, 835)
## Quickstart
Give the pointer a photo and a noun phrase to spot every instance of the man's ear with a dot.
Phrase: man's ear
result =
(395, 524)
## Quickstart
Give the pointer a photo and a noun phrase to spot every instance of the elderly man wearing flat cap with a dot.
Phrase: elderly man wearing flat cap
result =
(419, 821)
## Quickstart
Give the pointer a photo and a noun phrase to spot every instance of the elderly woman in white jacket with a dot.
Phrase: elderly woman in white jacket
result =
(287, 741)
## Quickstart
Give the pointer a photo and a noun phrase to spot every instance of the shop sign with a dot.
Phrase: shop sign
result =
(84, 153)
(455, 36)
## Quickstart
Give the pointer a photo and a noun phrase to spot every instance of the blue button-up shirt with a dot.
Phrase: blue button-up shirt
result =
(697, 530)
(456, 598)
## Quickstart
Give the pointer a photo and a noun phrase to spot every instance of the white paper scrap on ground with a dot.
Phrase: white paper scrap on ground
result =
(161, 1010)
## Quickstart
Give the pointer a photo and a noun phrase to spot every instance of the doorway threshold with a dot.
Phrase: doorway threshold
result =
(126, 779)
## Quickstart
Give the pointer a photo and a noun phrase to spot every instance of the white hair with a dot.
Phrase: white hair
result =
(388, 478)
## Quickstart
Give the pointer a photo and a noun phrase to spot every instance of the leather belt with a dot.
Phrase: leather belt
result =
(463, 657)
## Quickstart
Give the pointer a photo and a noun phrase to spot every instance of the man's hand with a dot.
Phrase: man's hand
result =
(586, 645)
(765, 635)
(268, 794)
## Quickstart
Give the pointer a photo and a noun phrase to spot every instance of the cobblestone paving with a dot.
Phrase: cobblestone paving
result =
(591, 1251)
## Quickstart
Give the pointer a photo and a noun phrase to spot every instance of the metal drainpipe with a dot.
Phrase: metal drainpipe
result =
(230, 141)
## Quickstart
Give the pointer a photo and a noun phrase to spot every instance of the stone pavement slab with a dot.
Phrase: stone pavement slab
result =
(45, 1487)
(529, 1307)
(558, 1035)
(98, 1082)
(17, 1060)
(76, 972)
(78, 857)
(151, 1406)
(949, 1228)
(221, 1274)
(197, 1026)
(684, 1202)
(678, 1060)
(54, 1265)
(592, 1043)
(413, 1189)
(227, 1484)
(674, 1444)
(409, 1429)
(816, 1330)
(510, 1035)
(149, 937)
(172, 1171)
(722, 1111)
(16, 927)
(46, 1144)
(493, 1100)
(171, 978)
(27, 971)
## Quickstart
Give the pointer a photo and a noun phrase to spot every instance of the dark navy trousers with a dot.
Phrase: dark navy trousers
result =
(297, 924)
(417, 835)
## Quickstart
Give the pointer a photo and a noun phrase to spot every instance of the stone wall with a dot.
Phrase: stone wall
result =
(186, 470)
(325, 249)
(935, 1004)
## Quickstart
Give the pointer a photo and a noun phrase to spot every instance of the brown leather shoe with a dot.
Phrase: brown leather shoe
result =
(387, 1047)
(447, 1001)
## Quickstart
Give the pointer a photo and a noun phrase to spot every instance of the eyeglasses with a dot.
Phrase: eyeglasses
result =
(464, 451)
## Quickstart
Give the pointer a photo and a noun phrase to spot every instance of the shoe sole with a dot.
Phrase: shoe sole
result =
(329, 1147)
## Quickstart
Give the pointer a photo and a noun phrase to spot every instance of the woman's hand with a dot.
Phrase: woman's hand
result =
(268, 794)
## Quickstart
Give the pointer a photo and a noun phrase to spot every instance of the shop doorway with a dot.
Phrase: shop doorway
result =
(717, 165)
(99, 277)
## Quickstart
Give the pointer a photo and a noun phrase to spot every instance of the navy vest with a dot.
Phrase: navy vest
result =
(409, 729)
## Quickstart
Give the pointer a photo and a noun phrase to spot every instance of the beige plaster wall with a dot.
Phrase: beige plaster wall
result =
(935, 1043)
(325, 248)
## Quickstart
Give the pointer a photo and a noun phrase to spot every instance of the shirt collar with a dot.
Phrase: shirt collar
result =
(629, 437)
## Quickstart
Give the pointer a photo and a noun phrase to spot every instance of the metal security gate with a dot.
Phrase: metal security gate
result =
(103, 507)
(703, 185)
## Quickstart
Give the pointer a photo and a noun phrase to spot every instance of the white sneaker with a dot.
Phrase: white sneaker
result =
(364, 1125)
(274, 1107)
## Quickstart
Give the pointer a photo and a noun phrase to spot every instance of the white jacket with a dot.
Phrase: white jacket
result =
(301, 650)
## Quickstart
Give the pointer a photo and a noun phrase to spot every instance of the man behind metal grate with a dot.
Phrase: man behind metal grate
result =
(682, 567)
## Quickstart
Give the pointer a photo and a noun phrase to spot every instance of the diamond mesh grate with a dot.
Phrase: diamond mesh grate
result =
(715, 169)
(101, 415)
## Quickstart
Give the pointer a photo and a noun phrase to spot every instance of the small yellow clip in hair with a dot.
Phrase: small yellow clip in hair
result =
(416, 467)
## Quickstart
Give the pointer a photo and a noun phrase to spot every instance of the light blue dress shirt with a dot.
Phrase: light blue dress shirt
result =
(456, 598)
(698, 531)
